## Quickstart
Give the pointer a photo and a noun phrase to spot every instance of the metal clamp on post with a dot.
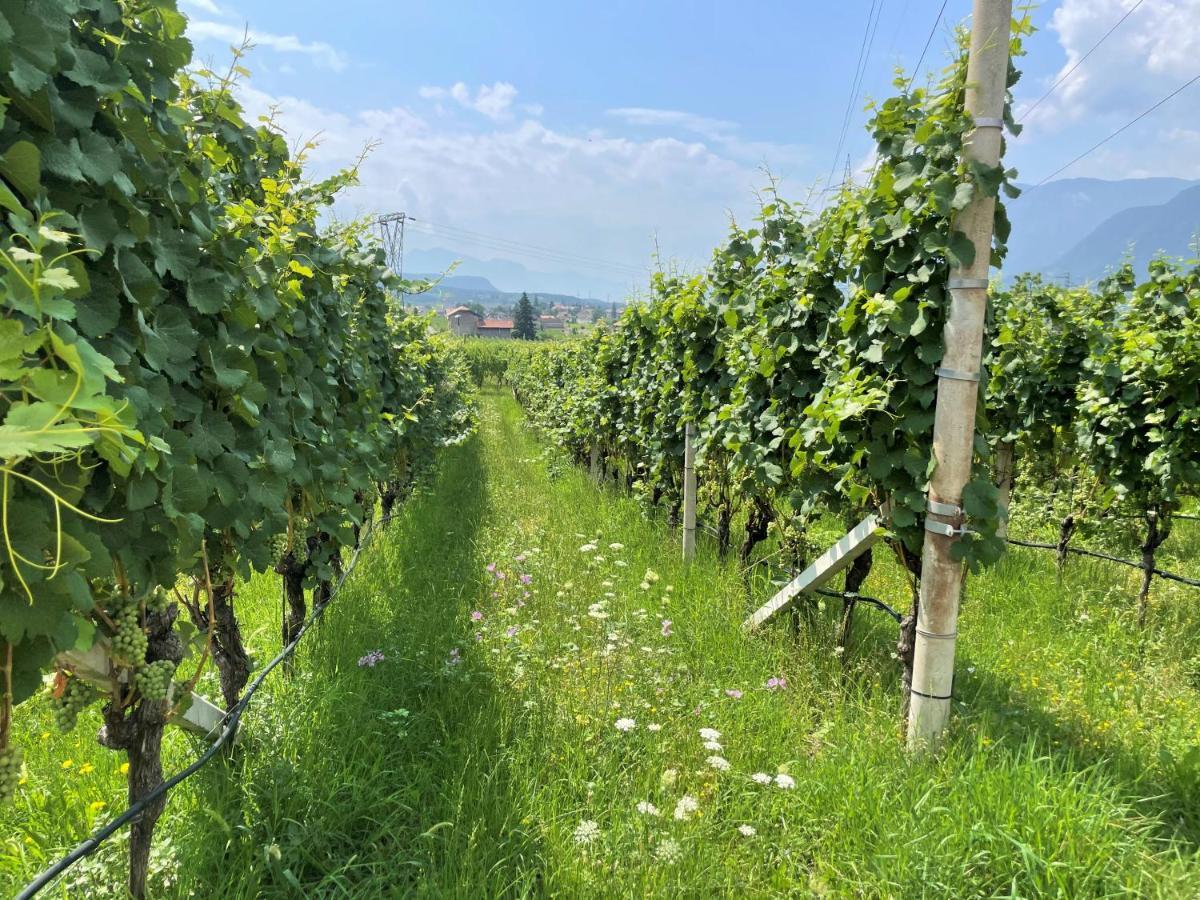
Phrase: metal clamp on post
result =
(955, 374)
(950, 510)
(947, 530)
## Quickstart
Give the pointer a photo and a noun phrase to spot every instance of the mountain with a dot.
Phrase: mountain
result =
(512, 277)
(1140, 231)
(1080, 227)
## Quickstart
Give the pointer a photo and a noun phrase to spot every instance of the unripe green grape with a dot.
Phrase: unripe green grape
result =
(75, 697)
(10, 772)
(158, 601)
(154, 680)
(129, 643)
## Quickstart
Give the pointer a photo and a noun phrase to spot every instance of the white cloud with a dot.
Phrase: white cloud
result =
(592, 193)
(494, 101)
(1151, 53)
(321, 53)
(204, 6)
(714, 129)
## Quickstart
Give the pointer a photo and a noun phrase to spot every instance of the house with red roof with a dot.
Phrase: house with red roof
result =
(465, 322)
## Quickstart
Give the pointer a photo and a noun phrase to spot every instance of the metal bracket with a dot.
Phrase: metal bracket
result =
(947, 530)
(943, 372)
(952, 510)
(988, 122)
(959, 281)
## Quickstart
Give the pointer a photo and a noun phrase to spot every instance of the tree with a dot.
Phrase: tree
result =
(524, 321)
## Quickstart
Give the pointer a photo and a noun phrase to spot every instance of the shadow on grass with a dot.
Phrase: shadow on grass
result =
(1166, 788)
(390, 780)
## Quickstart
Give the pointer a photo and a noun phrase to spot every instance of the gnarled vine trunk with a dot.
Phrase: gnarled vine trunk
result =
(1065, 531)
(138, 731)
(855, 576)
(1157, 531)
(229, 652)
(758, 524)
(293, 572)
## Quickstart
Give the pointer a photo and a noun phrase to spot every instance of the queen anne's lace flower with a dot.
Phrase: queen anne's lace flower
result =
(686, 807)
(625, 724)
(586, 832)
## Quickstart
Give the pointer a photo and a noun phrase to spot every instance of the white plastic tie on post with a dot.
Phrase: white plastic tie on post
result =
(988, 122)
(962, 281)
(955, 374)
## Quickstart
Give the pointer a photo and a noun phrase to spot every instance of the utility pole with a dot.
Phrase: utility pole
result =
(958, 389)
(391, 235)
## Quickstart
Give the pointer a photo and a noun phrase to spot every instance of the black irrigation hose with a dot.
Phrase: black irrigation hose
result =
(1170, 576)
(873, 601)
(92, 844)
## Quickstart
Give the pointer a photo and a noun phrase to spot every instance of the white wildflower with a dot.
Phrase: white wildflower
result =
(686, 807)
(669, 776)
(747, 830)
(787, 782)
(668, 851)
(710, 734)
(588, 548)
(761, 778)
(720, 763)
(650, 576)
(616, 546)
(625, 724)
(654, 726)
(714, 746)
(586, 832)
(646, 808)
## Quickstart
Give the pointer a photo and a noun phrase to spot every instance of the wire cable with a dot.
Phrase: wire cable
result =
(860, 68)
(1082, 59)
(228, 730)
(1126, 126)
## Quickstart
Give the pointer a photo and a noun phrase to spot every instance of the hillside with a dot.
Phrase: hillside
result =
(1078, 227)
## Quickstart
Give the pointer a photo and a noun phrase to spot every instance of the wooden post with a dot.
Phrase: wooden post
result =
(689, 492)
(1004, 483)
(594, 462)
(958, 389)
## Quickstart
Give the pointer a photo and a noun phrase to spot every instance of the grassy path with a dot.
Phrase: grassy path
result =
(543, 729)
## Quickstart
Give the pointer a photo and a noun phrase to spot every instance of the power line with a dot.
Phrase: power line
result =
(929, 40)
(1082, 59)
(502, 245)
(1129, 124)
(532, 247)
(860, 68)
(460, 240)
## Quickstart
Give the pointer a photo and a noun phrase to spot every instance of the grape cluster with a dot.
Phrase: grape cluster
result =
(10, 771)
(129, 643)
(158, 601)
(75, 697)
(154, 680)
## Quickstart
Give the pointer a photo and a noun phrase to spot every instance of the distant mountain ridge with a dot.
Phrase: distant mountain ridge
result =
(1081, 228)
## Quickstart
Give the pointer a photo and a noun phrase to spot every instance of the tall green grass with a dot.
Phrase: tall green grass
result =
(482, 757)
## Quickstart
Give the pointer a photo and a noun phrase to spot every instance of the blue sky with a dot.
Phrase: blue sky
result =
(593, 130)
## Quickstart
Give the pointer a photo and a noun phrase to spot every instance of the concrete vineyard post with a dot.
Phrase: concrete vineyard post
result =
(1005, 456)
(689, 492)
(958, 389)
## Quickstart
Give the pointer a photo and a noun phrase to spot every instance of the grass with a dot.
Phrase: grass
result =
(466, 762)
